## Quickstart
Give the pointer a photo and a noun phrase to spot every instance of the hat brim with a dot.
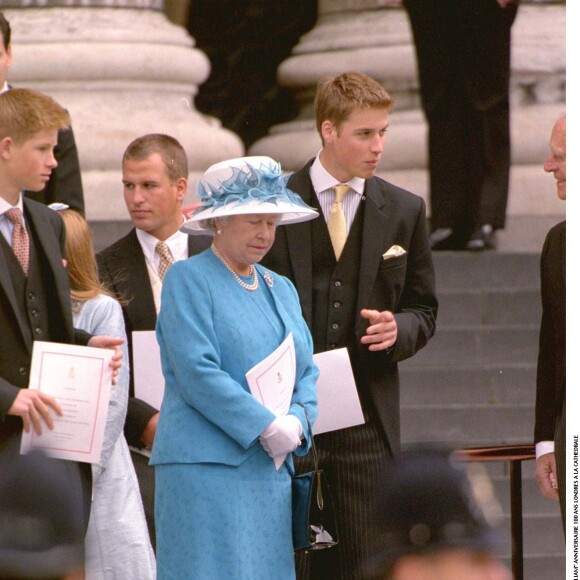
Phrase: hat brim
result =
(289, 214)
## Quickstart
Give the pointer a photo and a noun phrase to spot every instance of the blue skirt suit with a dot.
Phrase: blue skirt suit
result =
(221, 508)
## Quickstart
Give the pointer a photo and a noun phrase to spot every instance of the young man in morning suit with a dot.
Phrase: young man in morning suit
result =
(155, 172)
(64, 184)
(34, 288)
(374, 293)
(550, 428)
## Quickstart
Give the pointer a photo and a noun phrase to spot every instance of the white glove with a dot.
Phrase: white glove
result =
(281, 436)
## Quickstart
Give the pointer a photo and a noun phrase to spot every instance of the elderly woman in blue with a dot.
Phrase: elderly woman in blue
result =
(222, 509)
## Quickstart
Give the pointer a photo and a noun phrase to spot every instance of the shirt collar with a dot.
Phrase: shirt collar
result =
(5, 206)
(322, 180)
(177, 244)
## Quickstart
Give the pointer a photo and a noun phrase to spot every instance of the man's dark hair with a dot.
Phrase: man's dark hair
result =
(5, 31)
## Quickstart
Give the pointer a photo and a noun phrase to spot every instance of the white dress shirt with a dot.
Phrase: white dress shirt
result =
(177, 244)
(6, 226)
(323, 183)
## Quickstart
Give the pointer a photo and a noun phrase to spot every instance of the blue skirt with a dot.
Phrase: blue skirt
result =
(217, 522)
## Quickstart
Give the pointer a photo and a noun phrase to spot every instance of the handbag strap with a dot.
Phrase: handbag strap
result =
(311, 435)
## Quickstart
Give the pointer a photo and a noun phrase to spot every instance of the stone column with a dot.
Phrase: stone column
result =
(122, 70)
(374, 37)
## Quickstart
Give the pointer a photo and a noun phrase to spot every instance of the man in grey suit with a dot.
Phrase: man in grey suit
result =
(365, 277)
(155, 172)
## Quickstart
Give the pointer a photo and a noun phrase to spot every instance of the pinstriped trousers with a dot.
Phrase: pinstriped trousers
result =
(353, 460)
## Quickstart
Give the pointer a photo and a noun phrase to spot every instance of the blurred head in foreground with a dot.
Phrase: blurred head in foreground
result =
(436, 520)
(41, 525)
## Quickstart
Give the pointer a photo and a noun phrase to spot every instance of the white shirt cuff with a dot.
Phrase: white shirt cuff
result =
(543, 447)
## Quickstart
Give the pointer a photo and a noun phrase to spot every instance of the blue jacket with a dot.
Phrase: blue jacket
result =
(211, 331)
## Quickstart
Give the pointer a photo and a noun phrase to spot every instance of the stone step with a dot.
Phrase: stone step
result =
(545, 566)
(533, 502)
(468, 426)
(488, 306)
(468, 384)
(461, 345)
(471, 270)
(543, 534)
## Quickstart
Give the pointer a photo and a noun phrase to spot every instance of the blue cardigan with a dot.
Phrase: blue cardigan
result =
(211, 331)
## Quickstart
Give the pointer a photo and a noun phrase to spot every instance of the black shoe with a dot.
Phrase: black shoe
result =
(482, 238)
(445, 239)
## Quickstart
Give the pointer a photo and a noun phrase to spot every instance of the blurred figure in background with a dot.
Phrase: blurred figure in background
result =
(117, 542)
(436, 520)
(464, 74)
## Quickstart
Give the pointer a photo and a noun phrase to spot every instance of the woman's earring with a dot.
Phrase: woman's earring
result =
(219, 232)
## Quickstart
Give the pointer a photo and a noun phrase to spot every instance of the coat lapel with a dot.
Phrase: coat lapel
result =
(50, 245)
(135, 285)
(8, 289)
(197, 244)
(378, 222)
(299, 243)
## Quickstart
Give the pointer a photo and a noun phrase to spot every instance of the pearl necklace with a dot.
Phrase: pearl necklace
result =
(253, 272)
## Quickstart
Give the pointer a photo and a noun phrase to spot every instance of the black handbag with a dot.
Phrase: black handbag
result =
(313, 518)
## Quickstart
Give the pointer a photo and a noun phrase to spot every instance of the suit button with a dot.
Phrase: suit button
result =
(337, 283)
(333, 345)
(38, 330)
(34, 312)
(335, 326)
(22, 371)
(31, 295)
(336, 304)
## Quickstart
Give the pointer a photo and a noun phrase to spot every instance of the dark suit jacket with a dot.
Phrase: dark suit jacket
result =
(123, 269)
(16, 342)
(551, 373)
(405, 285)
(16, 348)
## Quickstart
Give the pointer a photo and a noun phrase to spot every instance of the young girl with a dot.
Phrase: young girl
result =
(117, 543)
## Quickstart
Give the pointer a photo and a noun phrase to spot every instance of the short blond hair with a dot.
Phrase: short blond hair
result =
(24, 113)
(337, 97)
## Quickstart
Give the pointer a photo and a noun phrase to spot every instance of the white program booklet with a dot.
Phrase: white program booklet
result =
(272, 381)
(79, 378)
(148, 377)
(338, 401)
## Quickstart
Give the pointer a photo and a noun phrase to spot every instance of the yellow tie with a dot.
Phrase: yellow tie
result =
(165, 259)
(337, 221)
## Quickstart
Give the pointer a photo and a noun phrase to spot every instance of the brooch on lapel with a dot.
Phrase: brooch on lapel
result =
(269, 279)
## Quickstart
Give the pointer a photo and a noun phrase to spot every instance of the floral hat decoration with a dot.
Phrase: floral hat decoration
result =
(245, 185)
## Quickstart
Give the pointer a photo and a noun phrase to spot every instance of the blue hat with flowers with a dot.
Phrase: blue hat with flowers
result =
(245, 185)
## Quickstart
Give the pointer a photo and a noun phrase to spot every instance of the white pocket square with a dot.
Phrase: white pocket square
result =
(393, 252)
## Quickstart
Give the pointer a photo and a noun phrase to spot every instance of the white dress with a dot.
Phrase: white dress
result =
(117, 543)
